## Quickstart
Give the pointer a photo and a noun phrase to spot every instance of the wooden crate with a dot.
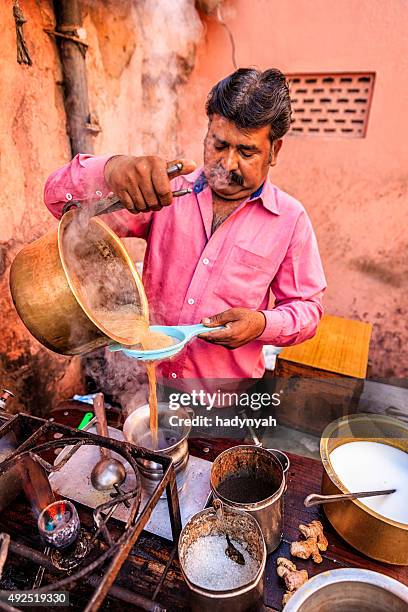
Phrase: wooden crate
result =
(322, 379)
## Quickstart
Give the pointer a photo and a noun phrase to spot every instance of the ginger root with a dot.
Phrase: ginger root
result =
(293, 578)
(315, 541)
(315, 530)
(287, 570)
(305, 549)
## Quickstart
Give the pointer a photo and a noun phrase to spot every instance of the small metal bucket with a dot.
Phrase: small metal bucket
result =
(252, 479)
(242, 528)
(137, 431)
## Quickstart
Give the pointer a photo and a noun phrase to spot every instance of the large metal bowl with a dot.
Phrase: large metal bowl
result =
(369, 532)
(350, 590)
(51, 297)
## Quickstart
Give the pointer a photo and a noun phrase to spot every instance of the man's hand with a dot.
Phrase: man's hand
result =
(242, 326)
(142, 183)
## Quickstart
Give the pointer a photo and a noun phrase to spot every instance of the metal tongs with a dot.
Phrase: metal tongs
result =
(113, 203)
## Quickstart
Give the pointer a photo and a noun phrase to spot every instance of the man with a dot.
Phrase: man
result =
(215, 255)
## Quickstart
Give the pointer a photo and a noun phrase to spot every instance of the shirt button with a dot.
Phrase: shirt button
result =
(68, 196)
(99, 193)
(173, 375)
(190, 301)
(206, 261)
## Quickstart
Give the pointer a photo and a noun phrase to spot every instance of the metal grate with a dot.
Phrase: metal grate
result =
(111, 543)
(331, 105)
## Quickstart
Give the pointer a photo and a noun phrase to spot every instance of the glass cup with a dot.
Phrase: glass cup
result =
(59, 524)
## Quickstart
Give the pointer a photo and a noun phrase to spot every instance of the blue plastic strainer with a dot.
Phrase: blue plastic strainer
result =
(181, 333)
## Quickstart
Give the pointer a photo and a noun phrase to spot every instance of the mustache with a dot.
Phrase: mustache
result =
(237, 178)
(219, 174)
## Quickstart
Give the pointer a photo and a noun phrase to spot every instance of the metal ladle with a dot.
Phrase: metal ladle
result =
(108, 472)
(314, 498)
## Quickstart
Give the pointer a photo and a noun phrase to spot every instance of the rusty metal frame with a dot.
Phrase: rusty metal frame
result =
(117, 551)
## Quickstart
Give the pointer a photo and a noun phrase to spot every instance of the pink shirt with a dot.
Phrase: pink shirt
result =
(267, 244)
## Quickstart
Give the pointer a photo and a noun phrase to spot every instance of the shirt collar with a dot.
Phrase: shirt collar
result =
(266, 192)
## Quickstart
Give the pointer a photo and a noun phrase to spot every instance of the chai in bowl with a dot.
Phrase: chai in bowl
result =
(127, 323)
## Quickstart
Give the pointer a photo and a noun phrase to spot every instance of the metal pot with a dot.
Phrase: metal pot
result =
(347, 590)
(51, 298)
(372, 534)
(246, 461)
(136, 430)
(241, 527)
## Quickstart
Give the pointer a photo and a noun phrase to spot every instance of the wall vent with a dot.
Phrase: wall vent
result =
(331, 105)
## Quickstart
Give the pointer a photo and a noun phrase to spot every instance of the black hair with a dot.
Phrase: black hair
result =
(252, 99)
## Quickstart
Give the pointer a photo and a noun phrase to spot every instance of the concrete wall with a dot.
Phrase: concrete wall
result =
(354, 189)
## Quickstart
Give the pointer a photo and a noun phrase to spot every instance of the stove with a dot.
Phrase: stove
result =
(37, 440)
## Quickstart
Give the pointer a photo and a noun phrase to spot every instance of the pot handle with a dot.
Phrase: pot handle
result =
(112, 203)
(218, 506)
(101, 207)
(190, 411)
(282, 458)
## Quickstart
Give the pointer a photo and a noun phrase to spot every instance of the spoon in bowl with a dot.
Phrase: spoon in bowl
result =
(231, 551)
(314, 498)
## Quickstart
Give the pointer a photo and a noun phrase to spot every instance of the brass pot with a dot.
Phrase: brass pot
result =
(369, 532)
(50, 294)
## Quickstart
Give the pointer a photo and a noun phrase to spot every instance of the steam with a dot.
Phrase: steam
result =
(219, 178)
(171, 31)
(119, 377)
(101, 277)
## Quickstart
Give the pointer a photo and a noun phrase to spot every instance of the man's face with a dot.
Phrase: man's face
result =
(236, 162)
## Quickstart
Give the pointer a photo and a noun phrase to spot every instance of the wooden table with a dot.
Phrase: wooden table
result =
(142, 571)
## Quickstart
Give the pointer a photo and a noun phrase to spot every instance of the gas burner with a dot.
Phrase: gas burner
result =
(102, 545)
(69, 558)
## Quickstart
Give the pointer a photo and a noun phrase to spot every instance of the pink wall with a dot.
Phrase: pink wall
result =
(355, 190)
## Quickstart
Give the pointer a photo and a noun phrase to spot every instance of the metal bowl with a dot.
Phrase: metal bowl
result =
(369, 532)
(350, 590)
(136, 430)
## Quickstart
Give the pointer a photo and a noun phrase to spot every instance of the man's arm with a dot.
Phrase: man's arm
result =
(142, 183)
(298, 288)
(83, 180)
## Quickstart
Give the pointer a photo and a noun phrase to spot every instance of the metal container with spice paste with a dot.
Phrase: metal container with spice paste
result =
(251, 478)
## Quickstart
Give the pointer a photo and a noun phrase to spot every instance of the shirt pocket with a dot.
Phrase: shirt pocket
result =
(245, 279)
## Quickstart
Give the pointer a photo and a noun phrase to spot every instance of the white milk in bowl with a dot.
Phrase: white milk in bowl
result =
(373, 466)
